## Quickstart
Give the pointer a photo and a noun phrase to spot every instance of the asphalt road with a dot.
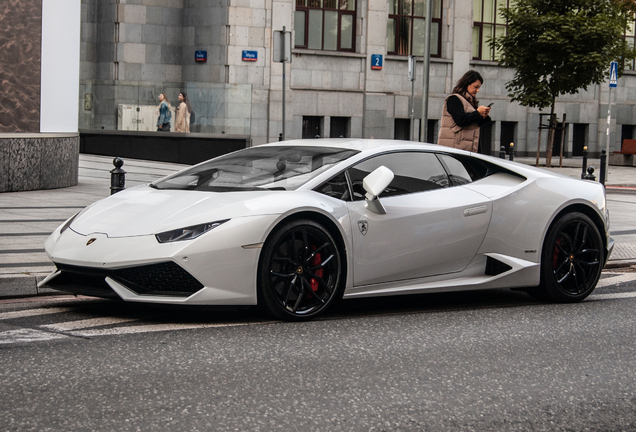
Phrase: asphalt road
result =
(492, 360)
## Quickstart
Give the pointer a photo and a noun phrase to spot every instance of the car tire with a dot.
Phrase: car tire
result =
(300, 271)
(571, 260)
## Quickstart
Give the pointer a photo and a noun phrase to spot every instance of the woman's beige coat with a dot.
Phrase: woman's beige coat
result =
(451, 135)
(183, 118)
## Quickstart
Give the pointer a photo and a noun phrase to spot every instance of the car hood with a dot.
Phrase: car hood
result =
(144, 211)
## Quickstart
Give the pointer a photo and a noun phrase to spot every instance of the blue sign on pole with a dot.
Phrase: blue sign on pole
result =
(613, 74)
(376, 61)
(250, 55)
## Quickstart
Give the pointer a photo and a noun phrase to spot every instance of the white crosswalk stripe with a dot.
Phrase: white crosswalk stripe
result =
(618, 278)
(27, 335)
(111, 326)
(88, 323)
(32, 312)
(155, 328)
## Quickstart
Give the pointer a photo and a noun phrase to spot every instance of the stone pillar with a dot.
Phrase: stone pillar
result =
(462, 38)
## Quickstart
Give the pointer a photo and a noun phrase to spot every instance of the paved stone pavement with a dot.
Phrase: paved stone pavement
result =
(27, 218)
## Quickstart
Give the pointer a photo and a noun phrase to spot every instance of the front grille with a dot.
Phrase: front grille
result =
(495, 267)
(166, 278)
(81, 282)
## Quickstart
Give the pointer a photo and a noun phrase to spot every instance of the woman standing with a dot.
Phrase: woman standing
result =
(163, 122)
(183, 115)
(462, 116)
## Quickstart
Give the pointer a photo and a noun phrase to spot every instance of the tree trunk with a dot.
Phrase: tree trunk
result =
(551, 131)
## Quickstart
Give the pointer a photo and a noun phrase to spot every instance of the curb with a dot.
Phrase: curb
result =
(23, 286)
(624, 190)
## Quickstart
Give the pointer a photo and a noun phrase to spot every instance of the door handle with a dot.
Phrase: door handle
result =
(475, 210)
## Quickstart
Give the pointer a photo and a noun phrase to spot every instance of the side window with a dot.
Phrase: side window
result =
(335, 187)
(456, 170)
(414, 172)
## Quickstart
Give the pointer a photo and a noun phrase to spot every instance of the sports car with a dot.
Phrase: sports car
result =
(292, 227)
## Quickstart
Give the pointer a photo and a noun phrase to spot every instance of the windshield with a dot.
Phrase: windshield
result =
(257, 168)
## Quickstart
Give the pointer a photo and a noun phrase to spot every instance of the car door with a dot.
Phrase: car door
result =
(430, 227)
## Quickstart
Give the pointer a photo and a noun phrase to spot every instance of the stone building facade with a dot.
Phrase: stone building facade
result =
(131, 50)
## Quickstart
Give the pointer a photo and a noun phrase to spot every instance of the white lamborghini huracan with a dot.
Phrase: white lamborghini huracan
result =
(293, 226)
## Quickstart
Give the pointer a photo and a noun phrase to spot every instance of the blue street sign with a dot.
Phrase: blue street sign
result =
(250, 55)
(200, 56)
(613, 74)
(376, 61)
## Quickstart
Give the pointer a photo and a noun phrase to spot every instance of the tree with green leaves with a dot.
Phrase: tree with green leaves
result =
(561, 46)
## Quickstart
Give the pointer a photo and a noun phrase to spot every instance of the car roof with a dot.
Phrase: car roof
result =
(360, 144)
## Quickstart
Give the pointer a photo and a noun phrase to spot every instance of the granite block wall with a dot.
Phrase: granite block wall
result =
(20, 46)
(34, 163)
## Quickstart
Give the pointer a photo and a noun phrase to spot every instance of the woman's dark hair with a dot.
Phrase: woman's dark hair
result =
(185, 97)
(469, 77)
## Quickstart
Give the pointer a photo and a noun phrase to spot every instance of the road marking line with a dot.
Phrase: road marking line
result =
(32, 312)
(88, 323)
(27, 335)
(625, 277)
(613, 296)
(155, 328)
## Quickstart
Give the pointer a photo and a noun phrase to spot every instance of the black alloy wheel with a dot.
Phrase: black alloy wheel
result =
(300, 271)
(572, 258)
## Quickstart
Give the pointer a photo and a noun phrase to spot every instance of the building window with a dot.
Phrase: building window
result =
(627, 132)
(488, 24)
(507, 134)
(312, 126)
(405, 29)
(340, 127)
(401, 129)
(325, 24)
(579, 137)
(485, 139)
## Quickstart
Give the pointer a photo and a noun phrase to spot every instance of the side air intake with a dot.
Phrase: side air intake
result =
(495, 267)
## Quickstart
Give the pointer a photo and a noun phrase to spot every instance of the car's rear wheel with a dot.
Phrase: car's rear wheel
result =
(571, 260)
(300, 271)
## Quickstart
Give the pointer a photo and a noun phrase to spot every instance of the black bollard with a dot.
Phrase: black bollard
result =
(584, 167)
(502, 152)
(590, 174)
(603, 167)
(280, 137)
(511, 152)
(117, 177)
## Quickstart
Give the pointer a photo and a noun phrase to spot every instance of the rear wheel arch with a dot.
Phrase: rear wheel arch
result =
(571, 257)
(586, 210)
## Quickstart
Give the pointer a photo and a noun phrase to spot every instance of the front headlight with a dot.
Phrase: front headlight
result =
(187, 233)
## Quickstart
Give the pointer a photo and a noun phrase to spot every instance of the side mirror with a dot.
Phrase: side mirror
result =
(374, 184)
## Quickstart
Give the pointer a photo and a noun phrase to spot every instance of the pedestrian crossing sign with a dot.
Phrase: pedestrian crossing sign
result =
(613, 74)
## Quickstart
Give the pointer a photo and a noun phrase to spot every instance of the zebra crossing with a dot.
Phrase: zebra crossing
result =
(86, 325)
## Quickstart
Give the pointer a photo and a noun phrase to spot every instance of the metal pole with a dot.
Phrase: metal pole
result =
(565, 116)
(282, 39)
(425, 73)
(609, 122)
(412, 132)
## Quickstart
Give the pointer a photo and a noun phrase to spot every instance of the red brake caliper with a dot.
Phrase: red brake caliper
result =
(315, 261)
(555, 256)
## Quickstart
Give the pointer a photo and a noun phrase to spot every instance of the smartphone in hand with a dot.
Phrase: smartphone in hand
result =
(490, 104)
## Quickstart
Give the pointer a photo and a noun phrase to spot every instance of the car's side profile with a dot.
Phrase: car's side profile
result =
(294, 226)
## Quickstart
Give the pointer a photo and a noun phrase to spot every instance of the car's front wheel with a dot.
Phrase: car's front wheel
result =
(300, 271)
(571, 260)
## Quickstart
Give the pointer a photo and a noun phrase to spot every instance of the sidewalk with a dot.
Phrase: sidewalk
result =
(27, 218)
